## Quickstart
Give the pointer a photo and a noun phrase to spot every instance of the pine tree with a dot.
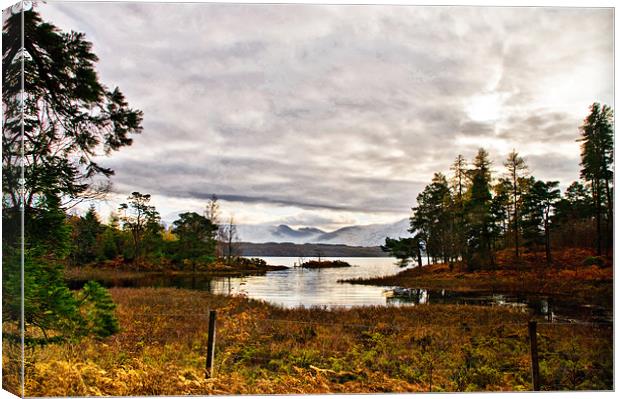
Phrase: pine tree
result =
(479, 218)
(597, 165)
(86, 236)
(538, 205)
(196, 237)
(98, 310)
(459, 185)
(403, 249)
(69, 118)
(432, 218)
(500, 210)
(515, 170)
(142, 220)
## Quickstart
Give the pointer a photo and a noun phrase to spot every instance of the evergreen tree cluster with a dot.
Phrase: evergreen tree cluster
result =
(136, 237)
(472, 214)
(58, 118)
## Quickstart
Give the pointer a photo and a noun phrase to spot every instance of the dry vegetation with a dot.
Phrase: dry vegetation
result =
(103, 273)
(264, 349)
(568, 276)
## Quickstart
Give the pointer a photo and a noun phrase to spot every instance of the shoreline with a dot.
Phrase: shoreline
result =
(93, 272)
(591, 284)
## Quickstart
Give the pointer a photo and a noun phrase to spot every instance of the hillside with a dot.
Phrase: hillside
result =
(307, 250)
(371, 235)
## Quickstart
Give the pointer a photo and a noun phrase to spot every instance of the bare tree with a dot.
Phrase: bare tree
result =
(230, 238)
(212, 212)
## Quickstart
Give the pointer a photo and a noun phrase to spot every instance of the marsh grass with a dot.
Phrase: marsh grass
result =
(262, 349)
(569, 277)
(108, 274)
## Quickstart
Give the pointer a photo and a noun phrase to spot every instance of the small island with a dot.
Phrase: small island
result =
(324, 264)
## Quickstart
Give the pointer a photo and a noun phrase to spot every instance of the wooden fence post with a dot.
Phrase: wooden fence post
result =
(534, 355)
(430, 382)
(211, 344)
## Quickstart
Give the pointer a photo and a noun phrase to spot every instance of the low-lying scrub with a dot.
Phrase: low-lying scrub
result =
(123, 268)
(262, 349)
(248, 267)
(569, 277)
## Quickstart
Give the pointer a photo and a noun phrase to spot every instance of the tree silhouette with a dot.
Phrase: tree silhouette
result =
(86, 230)
(515, 169)
(597, 146)
(432, 217)
(140, 218)
(69, 115)
(403, 249)
(196, 236)
(230, 238)
(459, 183)
(500, 210)
(538, 204)
(479, 220)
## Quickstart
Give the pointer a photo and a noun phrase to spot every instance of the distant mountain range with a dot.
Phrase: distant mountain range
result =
(306, 250)
(371, 235)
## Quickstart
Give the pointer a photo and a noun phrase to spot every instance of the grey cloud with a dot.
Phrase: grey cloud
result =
(554, 167)
(268, 200)
(281, 183)
(544, 127)
(314, 219)
(476, 128)
(338, 107)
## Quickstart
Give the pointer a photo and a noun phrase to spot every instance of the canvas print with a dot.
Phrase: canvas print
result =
(220, 198)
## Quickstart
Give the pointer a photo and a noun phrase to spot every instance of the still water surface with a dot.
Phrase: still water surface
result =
(313, 287)
(320, 287)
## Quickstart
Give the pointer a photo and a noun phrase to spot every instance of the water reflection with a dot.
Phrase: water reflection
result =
(548, 308)
(316, 287)
(320, 287)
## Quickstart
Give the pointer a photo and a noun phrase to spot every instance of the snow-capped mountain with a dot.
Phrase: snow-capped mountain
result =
(364, 236)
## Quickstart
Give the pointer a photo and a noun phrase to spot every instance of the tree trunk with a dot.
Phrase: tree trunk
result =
(610, 218)
(547, 241)
(515, 215)
(597, 200)
(419, 255)
(229, 250)
(136, 249)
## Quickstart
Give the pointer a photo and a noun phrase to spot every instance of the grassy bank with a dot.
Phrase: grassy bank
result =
(568, 276)
(103, 273)
(264, 349)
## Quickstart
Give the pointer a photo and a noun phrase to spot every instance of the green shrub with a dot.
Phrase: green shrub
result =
(594, 260)
(99, 309)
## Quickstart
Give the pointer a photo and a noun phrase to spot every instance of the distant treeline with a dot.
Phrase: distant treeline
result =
(307, 250)
(473, 213)
(135, 237)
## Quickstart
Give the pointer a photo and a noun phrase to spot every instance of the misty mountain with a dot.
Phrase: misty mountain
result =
(286, 232)
(364, 235)
(307, 250)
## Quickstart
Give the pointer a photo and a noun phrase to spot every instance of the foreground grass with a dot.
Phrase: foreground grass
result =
(567, 277)
(267, 350)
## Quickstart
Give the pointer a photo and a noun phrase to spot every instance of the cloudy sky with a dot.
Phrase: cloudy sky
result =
(337, 115)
